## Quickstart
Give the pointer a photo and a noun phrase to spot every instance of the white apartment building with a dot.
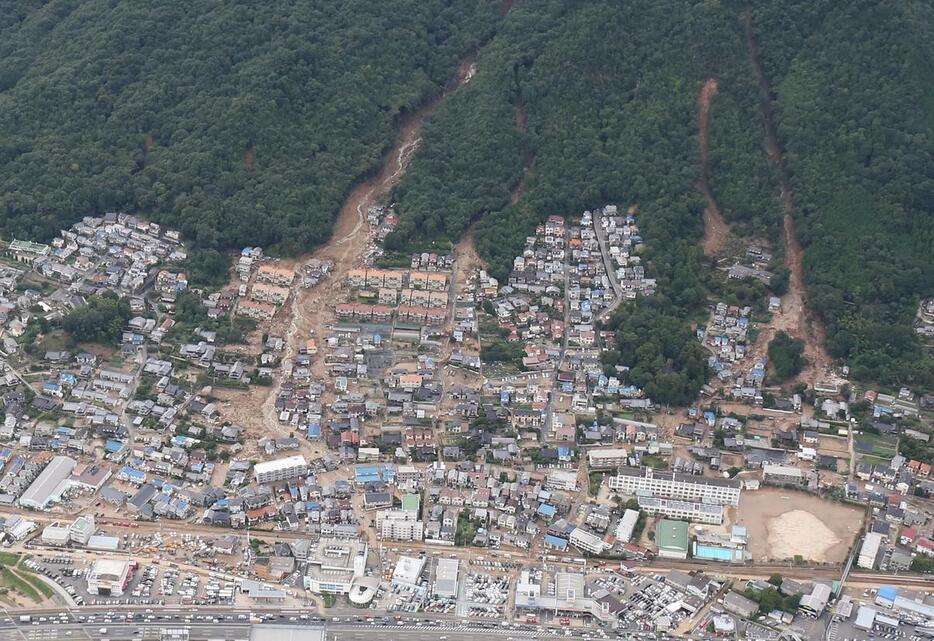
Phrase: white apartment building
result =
(400, 525)
(606, 458)
(82, 529)
(283, 469)
(869, 551)
(632, 481)
(626, 525)
(587, 541)
(711, 513)
(561, 480)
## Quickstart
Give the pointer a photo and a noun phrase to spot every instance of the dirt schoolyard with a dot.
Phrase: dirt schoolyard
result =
(783, 523)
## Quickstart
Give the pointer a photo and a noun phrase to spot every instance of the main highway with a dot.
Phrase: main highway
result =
(207, 624)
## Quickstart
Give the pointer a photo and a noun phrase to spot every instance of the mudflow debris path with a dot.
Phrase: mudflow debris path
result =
(312, 310)
(794, 317)
(716, 230)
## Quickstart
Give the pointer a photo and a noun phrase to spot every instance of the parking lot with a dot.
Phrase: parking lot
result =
(150, 584)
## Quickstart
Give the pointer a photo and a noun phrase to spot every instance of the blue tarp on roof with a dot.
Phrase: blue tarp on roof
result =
(133, 473)
(887, 593)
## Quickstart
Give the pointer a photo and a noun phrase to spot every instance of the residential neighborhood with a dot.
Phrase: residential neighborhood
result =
(431, 440)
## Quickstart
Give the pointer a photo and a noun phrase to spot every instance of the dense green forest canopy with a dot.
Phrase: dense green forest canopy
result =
(237, 122)
(100, 321)
(853, 84)
(786, 355)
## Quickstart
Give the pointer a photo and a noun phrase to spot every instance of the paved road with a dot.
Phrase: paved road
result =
(235, 631)
(122, 631)
(608, 265)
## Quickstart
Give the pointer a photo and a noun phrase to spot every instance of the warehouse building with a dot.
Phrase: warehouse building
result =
(869, 551)
(446, 579)
(783, 475)
(109, 577)
(815, 603)
(739, 605)
(408, 572)
(55, 534)
(49, 485)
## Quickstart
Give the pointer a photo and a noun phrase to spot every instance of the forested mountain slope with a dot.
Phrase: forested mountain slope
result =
(607, 92)
(237, 122)
(248, 123)
(853, 89)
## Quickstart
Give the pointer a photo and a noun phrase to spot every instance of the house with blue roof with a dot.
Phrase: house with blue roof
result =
(131, 475)
(52, 389)
(556, 543)
(180, 440)
(366, 474)
(546, 511)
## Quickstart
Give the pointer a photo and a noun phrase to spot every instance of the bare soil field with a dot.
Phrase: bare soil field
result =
(835, 446)
(785, 523)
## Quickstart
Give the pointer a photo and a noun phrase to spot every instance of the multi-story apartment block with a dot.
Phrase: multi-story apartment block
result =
(606, 458)
(283, 469)
(400, 525)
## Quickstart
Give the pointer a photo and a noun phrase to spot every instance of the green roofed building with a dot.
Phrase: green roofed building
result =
(671, 537)
(411, 503)
(26, 251)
